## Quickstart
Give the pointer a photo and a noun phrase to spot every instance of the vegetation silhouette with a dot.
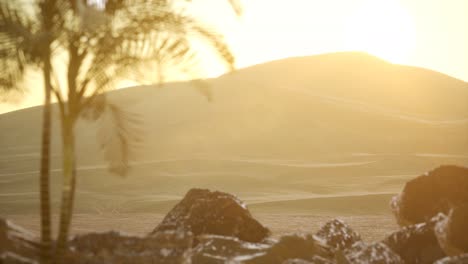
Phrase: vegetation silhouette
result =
(102, 45)
(24, 43)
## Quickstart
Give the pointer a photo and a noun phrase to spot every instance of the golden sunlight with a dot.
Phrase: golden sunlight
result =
(383, 28)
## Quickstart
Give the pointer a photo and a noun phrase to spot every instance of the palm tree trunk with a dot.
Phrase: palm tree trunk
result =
(72, 189)
(45, 168)
(68, 185)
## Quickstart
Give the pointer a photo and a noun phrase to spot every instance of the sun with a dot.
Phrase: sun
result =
(382, 28)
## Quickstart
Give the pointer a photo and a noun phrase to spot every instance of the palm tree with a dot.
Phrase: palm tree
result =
(25, 41)
(102, 46)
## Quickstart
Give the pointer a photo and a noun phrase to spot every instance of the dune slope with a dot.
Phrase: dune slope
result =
(294, 132)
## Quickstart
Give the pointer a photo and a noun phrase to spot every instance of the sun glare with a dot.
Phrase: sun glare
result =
(382, 28)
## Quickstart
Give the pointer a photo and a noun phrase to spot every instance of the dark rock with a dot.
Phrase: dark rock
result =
(297, 261)
(460, 259)
(416, 243)
(114, 247)
(16, 241)
(361, 253)
(293, 247)
(337, 235)
(452, 231)
(435, 192)
(217, 213)
(12, 258)
(314, 260)
(220, 249)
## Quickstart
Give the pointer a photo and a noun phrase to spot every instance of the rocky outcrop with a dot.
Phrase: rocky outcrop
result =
(375, 253)
(213, 249)
(293, 247)
(17, 244)
(314, 260)
(296, 261)
(461, 259)
(416, 243)
(337, 235)
(214, 227)
(218, 213)
(12, 258)
(434, 192)
(452, 231)
(113, 247)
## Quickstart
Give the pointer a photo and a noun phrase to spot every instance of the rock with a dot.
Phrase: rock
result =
(416, 243)
(361, 253)
(12, 258)
(114, 247)
(220, 249)
(205, 212)
(337, 235)
(314, 260)
(460, 259)
(452, 231)
(435, 192)
(297, 261)
(17, 242)
(293, 247)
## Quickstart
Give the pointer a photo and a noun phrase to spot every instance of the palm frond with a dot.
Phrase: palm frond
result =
(104, 73)
(115, 58)
(218, 43)
(18, 31)
(178, 23)
(155, 35)
(166, 53)
(18, 46)
(204, 88)
(95, 108)
(236, 6)
(118, 135)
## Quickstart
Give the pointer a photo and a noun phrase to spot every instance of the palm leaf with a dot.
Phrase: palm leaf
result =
(118, 135)
(236, 6)
(138, 34)
(151, 36)
(17, 46)
(204, 88)
(150, 20)
(218, 43)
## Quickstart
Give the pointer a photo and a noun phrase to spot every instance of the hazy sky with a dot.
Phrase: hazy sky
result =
(427, 33)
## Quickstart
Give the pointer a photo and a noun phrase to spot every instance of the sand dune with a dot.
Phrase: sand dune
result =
(335, 133)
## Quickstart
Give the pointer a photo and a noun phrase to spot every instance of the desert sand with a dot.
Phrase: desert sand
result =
(300, 140)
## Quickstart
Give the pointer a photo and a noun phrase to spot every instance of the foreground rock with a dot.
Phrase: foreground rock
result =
(416, 243)
(461, 259)
(213, 249)
(362, 253)
(452, 231)
(113, 247)
(293, 248)
(12, 258)
(337, 235)
(435, 192)
(205, 212)
(16, 244)
(315, 260)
